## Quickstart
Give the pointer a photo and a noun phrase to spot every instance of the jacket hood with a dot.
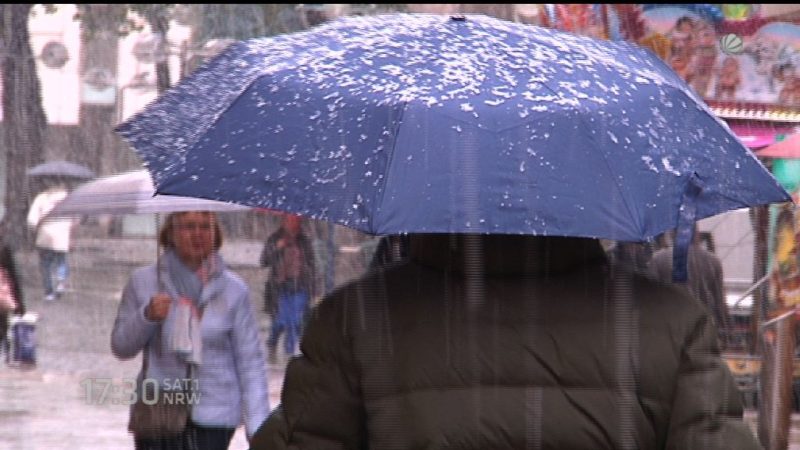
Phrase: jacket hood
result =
(504, 254)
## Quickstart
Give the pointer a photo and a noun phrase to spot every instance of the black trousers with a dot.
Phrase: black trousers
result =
(195, 437)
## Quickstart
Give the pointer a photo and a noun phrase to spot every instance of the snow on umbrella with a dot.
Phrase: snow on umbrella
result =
(422, 123)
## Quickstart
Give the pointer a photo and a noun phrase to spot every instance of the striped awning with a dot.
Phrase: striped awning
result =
(756, 111)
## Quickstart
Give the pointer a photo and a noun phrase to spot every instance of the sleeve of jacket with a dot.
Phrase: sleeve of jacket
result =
(250, 365)
(321, 404)
(132, 330)
(706, 408)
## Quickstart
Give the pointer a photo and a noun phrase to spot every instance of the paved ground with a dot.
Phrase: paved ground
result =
(46, 408)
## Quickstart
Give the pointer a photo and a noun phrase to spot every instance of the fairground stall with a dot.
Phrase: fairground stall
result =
(744, 61)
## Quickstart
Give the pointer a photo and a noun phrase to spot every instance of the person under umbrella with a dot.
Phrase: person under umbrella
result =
(290, 287)
(529, 132)
(507, 341)
(705, 280)
(192, 319)
(52, 239)
(8, 263)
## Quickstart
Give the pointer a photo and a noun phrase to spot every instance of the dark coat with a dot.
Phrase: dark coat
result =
(705, 280)
(8, 262)
(535, 345)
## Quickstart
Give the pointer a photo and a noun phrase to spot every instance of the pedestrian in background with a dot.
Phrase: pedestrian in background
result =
(52, 240)
(289, 254)
(507, 341)
(705, 279)
(632, 256)
(9, 265)
(189, 313)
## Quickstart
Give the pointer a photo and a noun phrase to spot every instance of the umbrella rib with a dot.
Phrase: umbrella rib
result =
(389, 161)
(605, 157)
(613, 175)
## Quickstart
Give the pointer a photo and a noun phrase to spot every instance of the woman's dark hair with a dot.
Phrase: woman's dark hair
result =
(165, 235)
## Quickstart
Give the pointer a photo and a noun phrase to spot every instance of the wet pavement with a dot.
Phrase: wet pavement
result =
(47, 407)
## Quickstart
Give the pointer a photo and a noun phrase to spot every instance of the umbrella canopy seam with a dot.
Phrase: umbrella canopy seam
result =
(389, 162)
(617, 184)
(615, 176)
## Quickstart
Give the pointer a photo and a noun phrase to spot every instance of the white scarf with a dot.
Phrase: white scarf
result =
(182, 324)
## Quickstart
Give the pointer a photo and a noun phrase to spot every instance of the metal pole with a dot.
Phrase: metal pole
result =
(751, 289)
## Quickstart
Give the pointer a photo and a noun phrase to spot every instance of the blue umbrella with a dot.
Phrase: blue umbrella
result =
(422, 123)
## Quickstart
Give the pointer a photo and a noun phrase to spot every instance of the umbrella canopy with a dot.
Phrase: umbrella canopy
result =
(422, 123)
(61, 169)
(787, 147)
(130, 193)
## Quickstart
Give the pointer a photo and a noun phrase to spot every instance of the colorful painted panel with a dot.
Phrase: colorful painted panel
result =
(578, 18)
(760, 67)
(785, 256)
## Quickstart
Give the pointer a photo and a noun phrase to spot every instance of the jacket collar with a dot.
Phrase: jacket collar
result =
(210, 290)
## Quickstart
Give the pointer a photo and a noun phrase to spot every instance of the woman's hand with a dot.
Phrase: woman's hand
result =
(158, 308)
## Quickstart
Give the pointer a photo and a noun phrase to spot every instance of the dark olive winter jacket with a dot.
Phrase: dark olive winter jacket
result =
(530, 345)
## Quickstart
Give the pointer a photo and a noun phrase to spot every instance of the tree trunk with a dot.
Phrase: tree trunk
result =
(98, 53)
(159, 24)
(24, 120)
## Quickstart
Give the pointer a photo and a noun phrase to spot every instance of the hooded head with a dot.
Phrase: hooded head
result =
(505, 254)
